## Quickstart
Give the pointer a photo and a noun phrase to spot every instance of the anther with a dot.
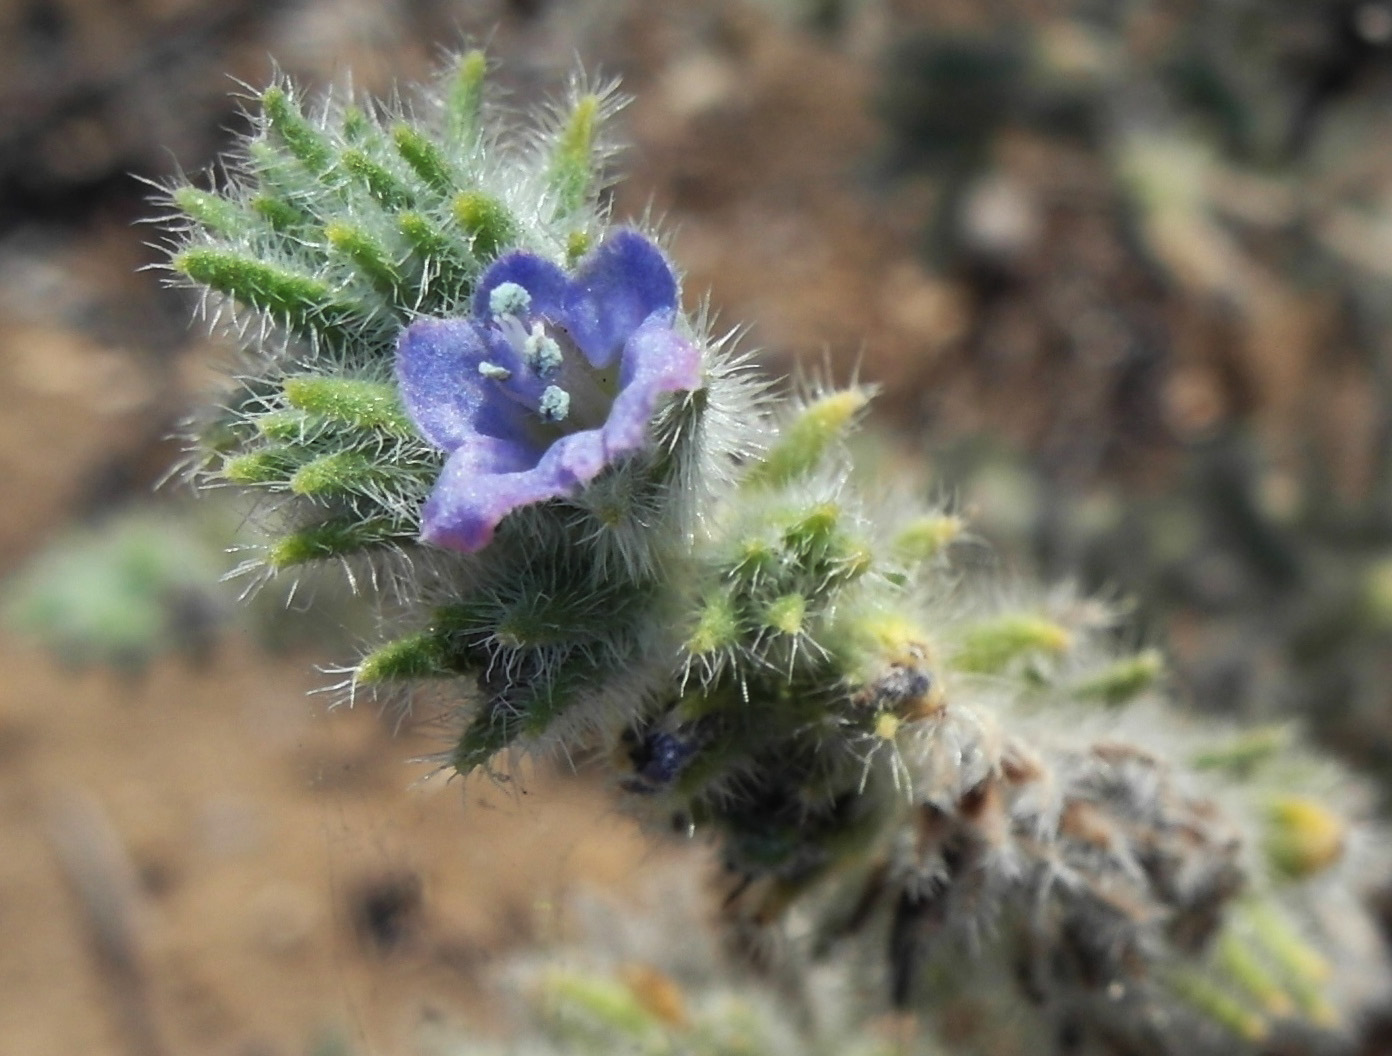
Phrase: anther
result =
(554, 404)
(493, 372)
(508, 298)
(542, 352)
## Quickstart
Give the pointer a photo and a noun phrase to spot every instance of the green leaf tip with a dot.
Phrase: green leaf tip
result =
(336, 538)
(267, 465)
(213, 211)
(464, 101)
(368, 255)
(424, 157)
(301, 138)
(336, 474)
(415, 656)
(388, 191)
(1123, 680)
(572, 162)
(356, 402)
(304, 302)
(988, 648)
(806, 439)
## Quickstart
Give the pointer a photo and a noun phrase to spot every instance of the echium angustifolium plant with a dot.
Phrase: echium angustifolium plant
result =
(598, 529)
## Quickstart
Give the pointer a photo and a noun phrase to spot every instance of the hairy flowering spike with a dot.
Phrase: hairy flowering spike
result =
(466, 387)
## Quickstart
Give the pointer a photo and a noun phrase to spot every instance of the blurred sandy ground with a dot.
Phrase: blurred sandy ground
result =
(203, 859)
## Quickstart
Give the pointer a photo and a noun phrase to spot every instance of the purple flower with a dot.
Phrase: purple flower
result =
(552, 379)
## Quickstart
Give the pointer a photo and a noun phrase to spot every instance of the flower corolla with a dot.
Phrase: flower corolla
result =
(554, 378)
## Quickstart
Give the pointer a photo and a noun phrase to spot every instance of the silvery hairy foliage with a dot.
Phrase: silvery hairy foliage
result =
(597, 531)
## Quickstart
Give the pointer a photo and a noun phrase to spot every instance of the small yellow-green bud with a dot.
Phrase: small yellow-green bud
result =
(815, 531)
(487, 222)
(268, 465)
(356, 123)
(305, 302)
(277, 212)
(807, 437)
(988, 648)
(288, 423)
(1237, 960)
(717, 626)
(1301, 967)
(786, 614)
(389, 191)
(1303, 837)
(213, 211)
(924, 538)
(578, 243)
(1122, 680)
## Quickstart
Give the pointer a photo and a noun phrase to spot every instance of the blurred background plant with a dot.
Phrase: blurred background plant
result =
(1149, 271)
(1171, 219)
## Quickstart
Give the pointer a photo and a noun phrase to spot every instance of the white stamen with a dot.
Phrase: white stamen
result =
(508, 298)
(554, 404)
(542, 353)
(493, 372)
